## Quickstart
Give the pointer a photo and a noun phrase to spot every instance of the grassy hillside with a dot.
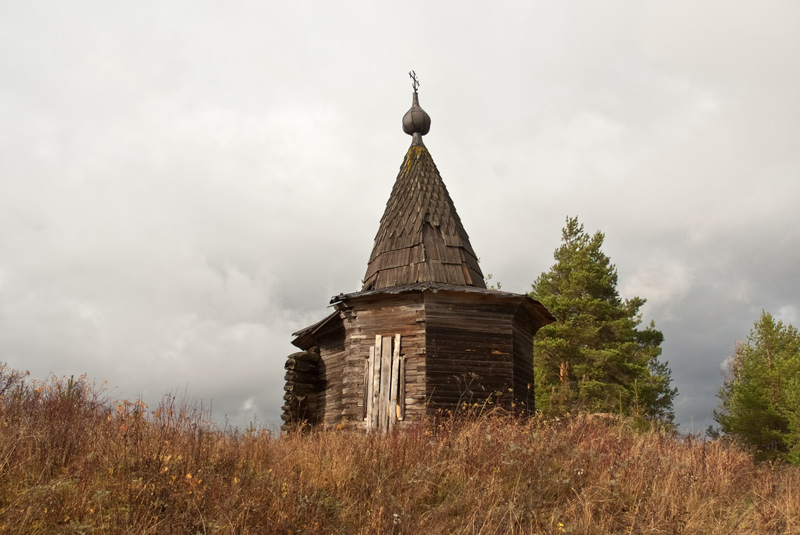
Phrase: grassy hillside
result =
(72, 461)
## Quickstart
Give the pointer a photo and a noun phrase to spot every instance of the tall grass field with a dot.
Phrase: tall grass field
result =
(73, 461)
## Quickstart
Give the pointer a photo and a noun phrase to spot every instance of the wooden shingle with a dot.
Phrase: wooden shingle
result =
(421, 238)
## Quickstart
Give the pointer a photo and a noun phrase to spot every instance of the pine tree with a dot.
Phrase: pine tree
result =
(760, 397)
(594, 357)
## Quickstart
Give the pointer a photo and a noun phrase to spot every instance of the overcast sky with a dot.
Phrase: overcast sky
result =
(185, 184)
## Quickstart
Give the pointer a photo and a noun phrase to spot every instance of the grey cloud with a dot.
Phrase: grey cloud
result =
(183, 186)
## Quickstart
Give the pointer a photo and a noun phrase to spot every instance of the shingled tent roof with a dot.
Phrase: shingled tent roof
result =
(421, 238)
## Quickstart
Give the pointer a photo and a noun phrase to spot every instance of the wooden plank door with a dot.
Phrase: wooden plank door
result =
(384, 384)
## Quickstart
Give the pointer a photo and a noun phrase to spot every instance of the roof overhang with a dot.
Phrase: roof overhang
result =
(306, 338)
(539, 311)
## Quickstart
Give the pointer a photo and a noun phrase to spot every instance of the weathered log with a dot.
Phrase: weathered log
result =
(305, 356)
(301, 366)
(300, 377)
(299, 388)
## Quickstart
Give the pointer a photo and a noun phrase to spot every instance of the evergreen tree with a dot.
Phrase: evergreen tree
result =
(760, 397)
(594, 357)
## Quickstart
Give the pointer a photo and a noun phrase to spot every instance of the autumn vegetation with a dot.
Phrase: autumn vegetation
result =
(74, 461)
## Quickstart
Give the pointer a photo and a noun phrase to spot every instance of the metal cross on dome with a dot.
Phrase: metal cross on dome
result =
(414, 80)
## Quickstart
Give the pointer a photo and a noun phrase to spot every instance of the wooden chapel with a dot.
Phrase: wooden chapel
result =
(424, 333)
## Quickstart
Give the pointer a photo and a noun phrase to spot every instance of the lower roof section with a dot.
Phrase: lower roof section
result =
(304, 338)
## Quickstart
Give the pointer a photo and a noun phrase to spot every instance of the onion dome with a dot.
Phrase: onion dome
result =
(416, 121)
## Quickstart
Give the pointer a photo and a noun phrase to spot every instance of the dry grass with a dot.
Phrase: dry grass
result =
(72, 461)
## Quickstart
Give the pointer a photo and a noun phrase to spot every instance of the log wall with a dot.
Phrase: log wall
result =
(303, 384)
(469, 349)
(400, 314)
(525, 326)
